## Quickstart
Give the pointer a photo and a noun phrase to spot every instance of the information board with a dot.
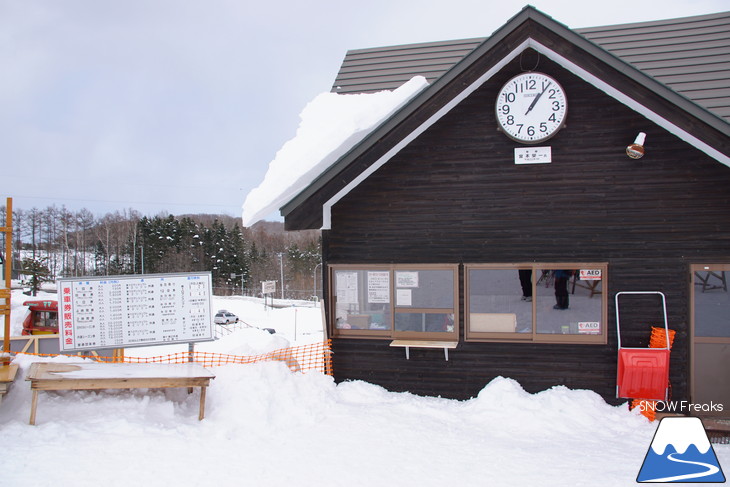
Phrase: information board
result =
(134, 311)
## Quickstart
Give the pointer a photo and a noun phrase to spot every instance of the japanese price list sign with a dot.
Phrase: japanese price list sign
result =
(133, 311)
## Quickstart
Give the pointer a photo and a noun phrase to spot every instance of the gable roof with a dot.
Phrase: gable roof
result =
(690, 55)
(530, 28)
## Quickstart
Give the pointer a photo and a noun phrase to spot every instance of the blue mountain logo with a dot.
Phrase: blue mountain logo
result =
(681, 452)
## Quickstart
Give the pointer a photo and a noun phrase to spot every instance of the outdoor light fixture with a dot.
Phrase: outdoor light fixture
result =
(636, 150)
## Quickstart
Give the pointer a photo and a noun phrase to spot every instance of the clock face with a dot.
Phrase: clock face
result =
(531, 107)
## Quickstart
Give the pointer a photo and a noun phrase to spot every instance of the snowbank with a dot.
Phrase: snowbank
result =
(267, 426)
(330, 126)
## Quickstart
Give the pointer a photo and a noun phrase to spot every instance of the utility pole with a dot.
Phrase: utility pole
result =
(314, 278)
(281, 264)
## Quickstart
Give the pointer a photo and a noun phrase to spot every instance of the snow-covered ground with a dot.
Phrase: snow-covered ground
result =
(267, 426)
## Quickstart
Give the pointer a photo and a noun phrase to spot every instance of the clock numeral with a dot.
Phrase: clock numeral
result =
(543, 127)
(556, 106)
(509, 97)
(552, 94)
(552, 118)
(504, 109)
(510, 120)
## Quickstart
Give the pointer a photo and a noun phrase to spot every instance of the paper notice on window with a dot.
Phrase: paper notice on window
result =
(346, 287)
(403, 297)
(379, 287)
(406, 279)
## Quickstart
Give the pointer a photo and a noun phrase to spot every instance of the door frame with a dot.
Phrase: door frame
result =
(693, 340)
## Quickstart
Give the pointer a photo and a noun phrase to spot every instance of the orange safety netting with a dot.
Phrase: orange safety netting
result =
(304, 358)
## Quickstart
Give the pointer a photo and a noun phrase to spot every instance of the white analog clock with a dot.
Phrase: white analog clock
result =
(531, 107)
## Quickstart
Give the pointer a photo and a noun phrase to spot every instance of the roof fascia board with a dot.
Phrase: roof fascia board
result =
(559, 59)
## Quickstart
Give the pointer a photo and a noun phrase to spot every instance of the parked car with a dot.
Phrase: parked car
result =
(224, 317)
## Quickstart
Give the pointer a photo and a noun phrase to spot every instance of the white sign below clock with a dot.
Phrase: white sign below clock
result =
(531, 107)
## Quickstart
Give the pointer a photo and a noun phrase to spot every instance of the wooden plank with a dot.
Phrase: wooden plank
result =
(423, 344)
(8, 372)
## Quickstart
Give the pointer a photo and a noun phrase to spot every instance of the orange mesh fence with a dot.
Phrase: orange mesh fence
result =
(304, 358)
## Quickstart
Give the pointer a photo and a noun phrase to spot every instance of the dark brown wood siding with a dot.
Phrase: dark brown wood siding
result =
(454, 195)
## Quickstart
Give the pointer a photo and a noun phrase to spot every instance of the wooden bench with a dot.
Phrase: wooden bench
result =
(50, 376)
(408, 344)
(7, 376)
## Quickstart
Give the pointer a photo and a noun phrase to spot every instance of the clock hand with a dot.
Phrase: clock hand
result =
(532, 105)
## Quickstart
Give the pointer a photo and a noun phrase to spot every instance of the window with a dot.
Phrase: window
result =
(536, 302)
(399, 301)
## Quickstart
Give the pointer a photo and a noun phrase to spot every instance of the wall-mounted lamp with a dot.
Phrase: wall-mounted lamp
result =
(636, 150)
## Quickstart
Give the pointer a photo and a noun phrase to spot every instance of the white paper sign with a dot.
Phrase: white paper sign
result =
(403, 297)
(406, 279)
(132, 311)
(379, 287)
(346, 287)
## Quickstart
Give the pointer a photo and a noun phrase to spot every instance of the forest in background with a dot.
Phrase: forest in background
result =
(55, 242)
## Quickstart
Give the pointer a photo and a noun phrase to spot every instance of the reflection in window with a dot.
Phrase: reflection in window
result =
(362, 300)
(396, 301)
(564, 302)
(424, 322)
(500, 300)
(711, 304)
(538, 302)
(425, 289)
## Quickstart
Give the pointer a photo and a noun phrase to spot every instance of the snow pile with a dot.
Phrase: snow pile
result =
(267, 426)
(330, 126)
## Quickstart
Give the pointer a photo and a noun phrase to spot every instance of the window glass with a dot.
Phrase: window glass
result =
(711, 303)
(539, 302)
(425, 322)
(568, 301)
(362, 299)
(396, 301)
(424, 288)
(500, 300)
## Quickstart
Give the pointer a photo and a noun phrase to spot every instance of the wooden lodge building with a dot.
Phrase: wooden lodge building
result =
(486, 227)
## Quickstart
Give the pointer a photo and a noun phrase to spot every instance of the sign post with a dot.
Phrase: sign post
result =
(5, 279)
(268, 288)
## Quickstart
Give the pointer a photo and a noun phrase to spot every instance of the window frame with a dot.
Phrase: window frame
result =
(535, 337)
(395, 309)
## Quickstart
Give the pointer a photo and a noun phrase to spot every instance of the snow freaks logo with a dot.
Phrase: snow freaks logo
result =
(681, 452)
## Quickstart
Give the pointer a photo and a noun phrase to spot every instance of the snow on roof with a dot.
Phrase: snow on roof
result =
(330, 125)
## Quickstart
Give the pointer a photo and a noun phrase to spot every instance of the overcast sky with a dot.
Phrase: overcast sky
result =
(179, 105)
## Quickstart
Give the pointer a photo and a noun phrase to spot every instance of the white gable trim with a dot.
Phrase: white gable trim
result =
(562, 61)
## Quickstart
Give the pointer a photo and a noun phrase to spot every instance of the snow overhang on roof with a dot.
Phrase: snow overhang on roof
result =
(529, 14)
(330, 126)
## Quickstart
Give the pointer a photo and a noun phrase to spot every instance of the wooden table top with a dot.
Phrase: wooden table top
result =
(97, 370)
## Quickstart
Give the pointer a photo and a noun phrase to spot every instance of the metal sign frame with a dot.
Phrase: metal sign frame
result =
(134, 310)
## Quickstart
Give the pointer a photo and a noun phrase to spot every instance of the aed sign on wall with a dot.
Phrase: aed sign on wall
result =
(134, 311)
(590, 274)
